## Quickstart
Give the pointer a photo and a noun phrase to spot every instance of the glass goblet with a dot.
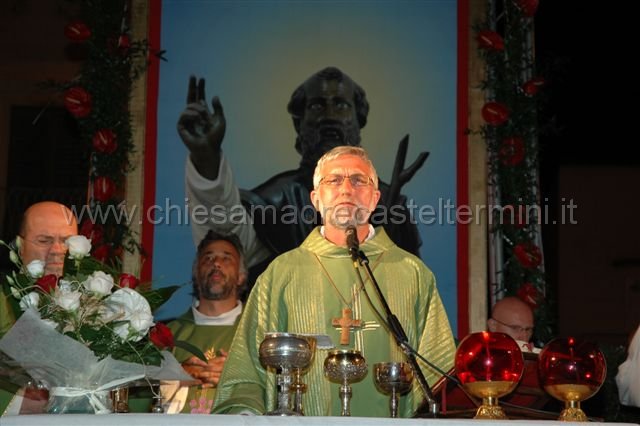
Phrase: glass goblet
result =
(571, 371)
(394, 379)
(489, 365)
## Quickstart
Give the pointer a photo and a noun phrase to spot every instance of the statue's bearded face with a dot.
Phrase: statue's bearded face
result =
(329, 119)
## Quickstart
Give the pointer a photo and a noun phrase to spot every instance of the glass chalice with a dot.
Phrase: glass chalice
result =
(393, 379)
(571, 370)
(489, 365)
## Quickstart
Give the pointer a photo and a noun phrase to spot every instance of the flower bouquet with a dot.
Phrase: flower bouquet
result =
(83, 334)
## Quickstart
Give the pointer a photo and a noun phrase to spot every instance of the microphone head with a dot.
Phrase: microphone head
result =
(352, 238)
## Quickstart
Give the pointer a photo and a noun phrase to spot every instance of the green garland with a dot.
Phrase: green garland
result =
(511, 133)
(99, 99)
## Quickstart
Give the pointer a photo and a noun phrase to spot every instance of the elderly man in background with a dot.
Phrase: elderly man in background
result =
(514, 317)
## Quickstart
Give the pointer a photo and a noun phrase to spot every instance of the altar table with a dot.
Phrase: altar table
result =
(237, 420)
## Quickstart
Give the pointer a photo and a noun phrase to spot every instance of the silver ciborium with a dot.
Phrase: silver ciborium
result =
(345, 366)
(394, 379)
(285, 353)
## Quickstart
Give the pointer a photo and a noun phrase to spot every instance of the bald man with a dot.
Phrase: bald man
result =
(45, 227)
(514, 317)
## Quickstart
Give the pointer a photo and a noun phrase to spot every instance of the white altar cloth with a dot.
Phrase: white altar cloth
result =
(237, 420)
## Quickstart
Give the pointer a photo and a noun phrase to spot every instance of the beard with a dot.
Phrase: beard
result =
(344, 217)
(313, 142)
(208, 290)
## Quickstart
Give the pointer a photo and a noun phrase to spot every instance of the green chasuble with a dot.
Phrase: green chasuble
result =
(296, 294)
(209, 339)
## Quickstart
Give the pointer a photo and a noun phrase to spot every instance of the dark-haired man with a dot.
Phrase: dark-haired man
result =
(219, 276)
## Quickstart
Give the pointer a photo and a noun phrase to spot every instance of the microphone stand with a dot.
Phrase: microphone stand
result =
(397, 331)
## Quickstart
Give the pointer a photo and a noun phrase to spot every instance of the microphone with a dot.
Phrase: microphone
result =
(352, 242)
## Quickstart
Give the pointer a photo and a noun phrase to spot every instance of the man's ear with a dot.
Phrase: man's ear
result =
(314, 199)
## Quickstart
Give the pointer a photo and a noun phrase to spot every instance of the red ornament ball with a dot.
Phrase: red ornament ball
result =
(489, 357)
(571, 369)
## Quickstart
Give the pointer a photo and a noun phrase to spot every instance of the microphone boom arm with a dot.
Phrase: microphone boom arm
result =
(397, 330)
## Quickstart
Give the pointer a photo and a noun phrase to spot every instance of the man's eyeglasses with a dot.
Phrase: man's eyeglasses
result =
(46, 241)
(516, 328)
(357, 180)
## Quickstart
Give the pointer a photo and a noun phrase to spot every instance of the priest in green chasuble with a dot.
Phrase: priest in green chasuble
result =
(314, 289)
(219, 277)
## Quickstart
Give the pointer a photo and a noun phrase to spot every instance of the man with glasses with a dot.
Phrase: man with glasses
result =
(314, 289)
(514, 317)
(329, 109)
(44, 229)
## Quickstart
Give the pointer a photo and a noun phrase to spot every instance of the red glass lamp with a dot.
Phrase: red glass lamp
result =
(489, 365)
(571, 371)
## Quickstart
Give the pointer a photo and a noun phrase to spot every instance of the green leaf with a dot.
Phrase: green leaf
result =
(190, 348)
(159, 296)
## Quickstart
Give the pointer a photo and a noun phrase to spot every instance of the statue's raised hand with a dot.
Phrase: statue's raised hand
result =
(201, 131)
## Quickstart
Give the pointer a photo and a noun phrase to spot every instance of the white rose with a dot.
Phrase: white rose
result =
(30, 301)
(126, 304)
(35, 268)
(79, 246)
(99, 283)
(67, 300)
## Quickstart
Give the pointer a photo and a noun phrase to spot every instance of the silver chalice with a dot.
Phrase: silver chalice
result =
(394, 379)
(285, 353)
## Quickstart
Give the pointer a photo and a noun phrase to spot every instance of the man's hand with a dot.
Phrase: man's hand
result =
(201, 131)
(207, 372)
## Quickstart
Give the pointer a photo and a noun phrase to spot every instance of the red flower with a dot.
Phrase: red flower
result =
(93, 231)
(128, 280)
(77, 101)
(47, 283)
(103, 189)
(104, 140)
(511, 152)
(490, 40)
(532, 86)
(528, 7)
(495, 113)
(528, 254)
(530, 295)
(77, 31)
(161, 336)
(124, 42)
(102, 252)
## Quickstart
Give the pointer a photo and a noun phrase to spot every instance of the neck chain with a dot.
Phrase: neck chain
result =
(355, 293)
